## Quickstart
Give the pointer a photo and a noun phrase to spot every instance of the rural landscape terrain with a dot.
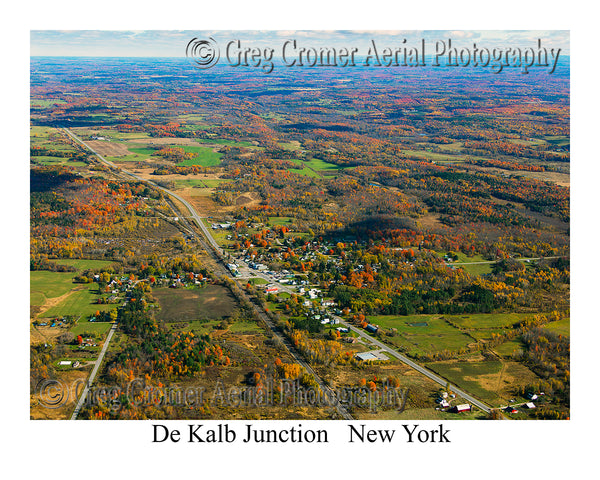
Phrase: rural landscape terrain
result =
(309, 244)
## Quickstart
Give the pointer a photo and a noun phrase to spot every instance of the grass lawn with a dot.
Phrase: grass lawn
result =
(257, 281)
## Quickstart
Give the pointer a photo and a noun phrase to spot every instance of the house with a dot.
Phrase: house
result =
(271, 288)
(444, 403)
(530, 405)
(342, 330)
(510, 409)
(66, 363)
(532, 396)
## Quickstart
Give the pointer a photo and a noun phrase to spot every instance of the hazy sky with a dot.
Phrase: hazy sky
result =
(172, 43)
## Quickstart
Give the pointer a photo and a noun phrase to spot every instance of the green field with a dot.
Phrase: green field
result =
(142, 150)
(487, 320)
(222, 141)
(83, 264)
(425, 334)
(507, 349)
(477, 269)
(81, 302)
(314, 166)
(419, 339)
(45, 160)
(83, 326)
(44, 285)
(215, 182)
(207, 157)
(279, 220)
(36, 102)
(562, 327)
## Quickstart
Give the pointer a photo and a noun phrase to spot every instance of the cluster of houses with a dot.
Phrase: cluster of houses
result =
(444, 403)
(527, 405)
(55, 323)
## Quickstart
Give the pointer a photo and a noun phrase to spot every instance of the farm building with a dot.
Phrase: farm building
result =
(465, 407)
(371, 328)
(529, 405)
(371, 356)
(365, 356)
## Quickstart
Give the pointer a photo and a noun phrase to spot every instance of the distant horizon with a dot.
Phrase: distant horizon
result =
(172, 43)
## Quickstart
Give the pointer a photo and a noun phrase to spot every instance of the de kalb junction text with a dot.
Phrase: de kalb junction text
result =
(356, 433)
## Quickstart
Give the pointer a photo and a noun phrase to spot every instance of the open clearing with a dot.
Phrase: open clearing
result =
(185, 305)
(112, 149)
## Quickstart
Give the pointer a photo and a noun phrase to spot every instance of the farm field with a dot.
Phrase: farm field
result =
(184, 305)
(491, 381)
(424, 334)
(47, 285)
(80, 302)
(83, 326)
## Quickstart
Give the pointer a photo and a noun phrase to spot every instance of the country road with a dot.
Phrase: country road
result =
(92, 376)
